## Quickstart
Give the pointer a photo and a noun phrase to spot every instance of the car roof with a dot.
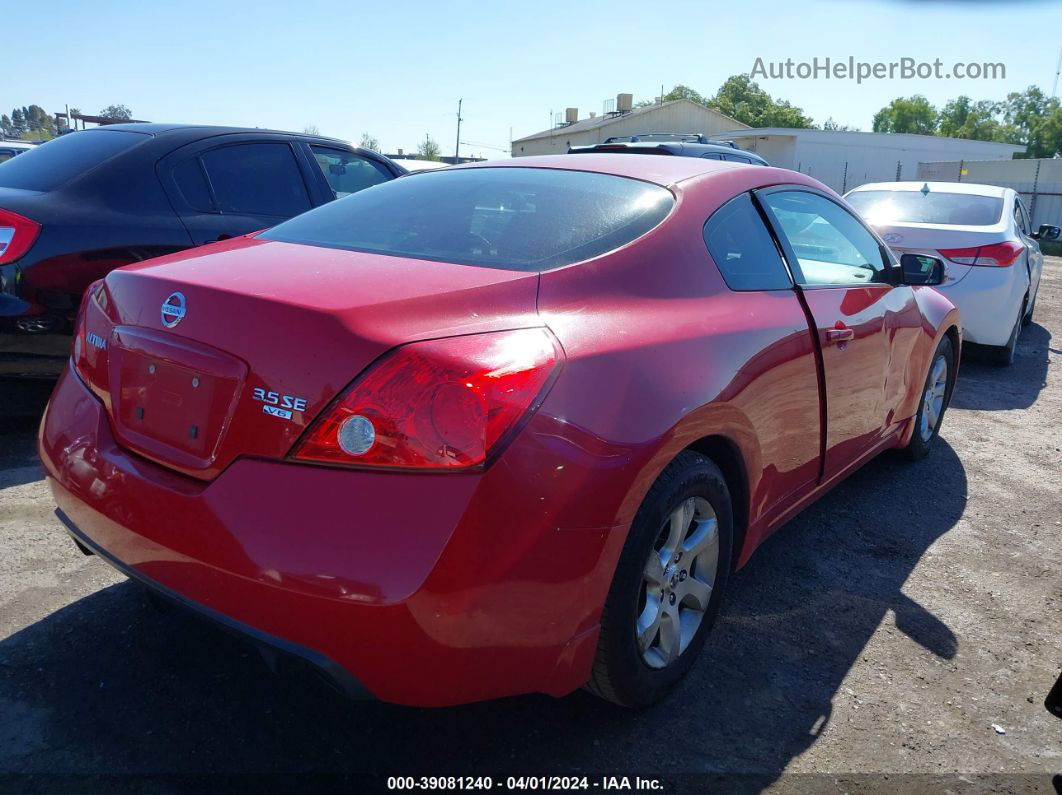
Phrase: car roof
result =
(651, 168)
(202, 130)
(676, 147)
(971, 188)
(13, 144)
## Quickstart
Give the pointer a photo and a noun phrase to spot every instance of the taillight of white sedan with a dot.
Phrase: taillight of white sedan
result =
(984, 235)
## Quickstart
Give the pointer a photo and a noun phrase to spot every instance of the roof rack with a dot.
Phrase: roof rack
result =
(695, 138)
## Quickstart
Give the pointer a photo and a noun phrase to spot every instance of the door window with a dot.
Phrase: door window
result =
(1021, 217)
(256, 179)
(346, 172)
(743, 249)
(831, 246)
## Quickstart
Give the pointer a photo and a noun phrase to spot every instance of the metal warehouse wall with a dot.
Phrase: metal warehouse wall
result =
(1038, 181)
(844, 166)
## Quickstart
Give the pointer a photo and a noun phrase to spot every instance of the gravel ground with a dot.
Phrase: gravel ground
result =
(873, 643)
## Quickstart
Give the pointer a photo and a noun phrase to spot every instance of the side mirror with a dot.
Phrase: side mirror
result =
(921, 269)
(1048, 232)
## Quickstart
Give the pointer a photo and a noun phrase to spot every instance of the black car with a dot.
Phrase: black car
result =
(691, 145)
(75, 208)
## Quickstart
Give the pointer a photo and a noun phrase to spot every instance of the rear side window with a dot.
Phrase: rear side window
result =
(743, 249)
(514, 218)
(256, 179)
(346, 172)
(51, 164)
(932, 207)
(1026, 220)
(191, 182)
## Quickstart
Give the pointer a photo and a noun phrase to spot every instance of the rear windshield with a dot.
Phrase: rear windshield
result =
(911, 206)
(49, 165)
(525, 219)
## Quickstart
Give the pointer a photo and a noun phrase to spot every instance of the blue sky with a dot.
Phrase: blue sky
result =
(397, 70)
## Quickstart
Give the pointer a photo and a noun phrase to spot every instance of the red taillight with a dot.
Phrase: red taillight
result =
(998, 255)
(80, 351)
(17, 234)
(438, 404)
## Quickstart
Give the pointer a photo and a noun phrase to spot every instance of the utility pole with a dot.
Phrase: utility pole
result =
(1054, 88)
(457, 146)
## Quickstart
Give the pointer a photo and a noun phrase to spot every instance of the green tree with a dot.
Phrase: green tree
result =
(830, 124)
(369, 142)
(678, 92)
(741, 98)
(116, 112)
(39, 124)
(980, 121)
(1048, 141)
(6, 127)
(18, 121)
(1029, 112)
(429, 149)
(907, 115)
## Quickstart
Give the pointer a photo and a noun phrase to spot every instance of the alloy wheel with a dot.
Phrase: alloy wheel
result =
(933, 398)
(677, 583)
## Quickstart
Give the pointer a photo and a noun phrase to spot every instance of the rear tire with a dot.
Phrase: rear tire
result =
(668, 585)
(1028, 318)
(936, 395)
(1003, 356)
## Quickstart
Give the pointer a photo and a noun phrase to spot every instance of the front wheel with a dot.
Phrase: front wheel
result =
(935, 397)
(668, 584)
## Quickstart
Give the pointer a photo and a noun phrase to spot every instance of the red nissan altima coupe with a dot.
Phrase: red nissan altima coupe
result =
(496, 429)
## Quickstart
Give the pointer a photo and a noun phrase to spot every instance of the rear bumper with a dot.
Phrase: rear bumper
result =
(336, 674)
(426, 590)
(988, 300)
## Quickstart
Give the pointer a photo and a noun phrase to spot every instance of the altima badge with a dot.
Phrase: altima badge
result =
(173, 309)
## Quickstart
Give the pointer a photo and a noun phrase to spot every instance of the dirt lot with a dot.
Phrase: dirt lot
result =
(879, 636)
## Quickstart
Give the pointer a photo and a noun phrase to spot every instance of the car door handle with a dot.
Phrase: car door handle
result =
(839, 334)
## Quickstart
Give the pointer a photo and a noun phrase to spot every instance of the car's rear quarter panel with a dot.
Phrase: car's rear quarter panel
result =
(660, 354)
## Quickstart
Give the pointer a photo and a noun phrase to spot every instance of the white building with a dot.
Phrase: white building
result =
(677, 116)
(842, 159)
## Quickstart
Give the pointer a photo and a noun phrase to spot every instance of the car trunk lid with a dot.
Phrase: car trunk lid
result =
(233, 349)
(932, 239)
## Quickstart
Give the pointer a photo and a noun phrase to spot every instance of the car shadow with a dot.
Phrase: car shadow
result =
(106, 684)
(983, 386)
(21, 406)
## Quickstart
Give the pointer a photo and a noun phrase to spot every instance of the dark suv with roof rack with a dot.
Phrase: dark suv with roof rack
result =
(681, 144)
(79, 206)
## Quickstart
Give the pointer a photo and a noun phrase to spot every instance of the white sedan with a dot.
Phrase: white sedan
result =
(984, 235)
